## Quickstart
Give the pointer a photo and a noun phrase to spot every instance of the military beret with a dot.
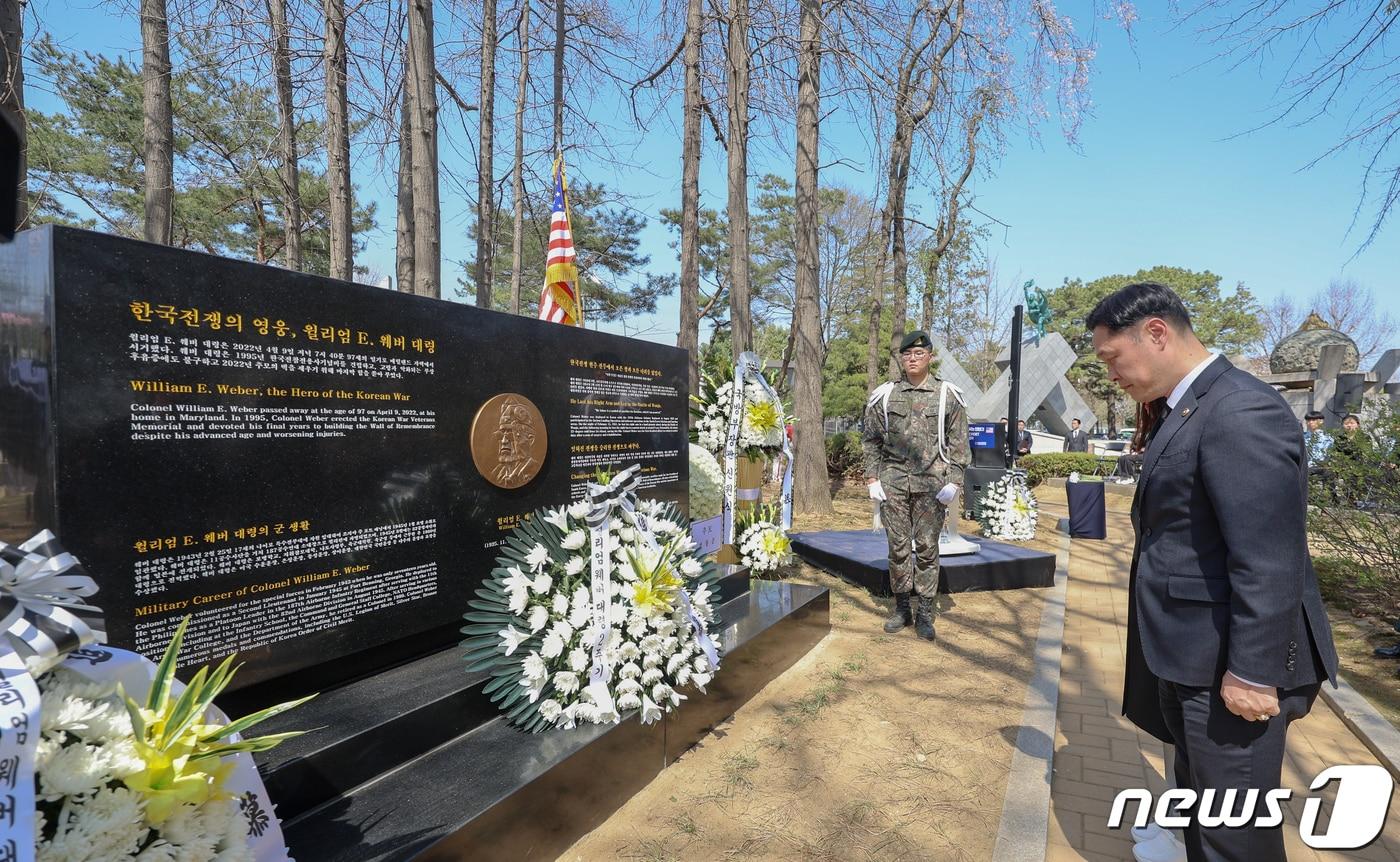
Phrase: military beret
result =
(917, 338)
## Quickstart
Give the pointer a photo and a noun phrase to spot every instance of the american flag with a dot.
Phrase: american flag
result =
(559, 300)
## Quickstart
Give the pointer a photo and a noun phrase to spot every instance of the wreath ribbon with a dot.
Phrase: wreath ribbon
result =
(602, 500)
(38, 582)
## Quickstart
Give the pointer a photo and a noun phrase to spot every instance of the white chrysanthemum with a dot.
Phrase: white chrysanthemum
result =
(636, 625)
(560, 604)
(578, 511)
(675, 663)
(549, 709)
(563, 630)
(74, 769)
(541, 584)
(537, 557)
(566, 682)
(701, 664)
(516, 580)
(690, 567)
(575, 540)
(650, 660)
(629, 701)
(651, 675)
(580, 609)
(700, 680)
(532, 667)
(518, 601)
(107, 825)
(553, 645)
(574, 566)
(629, 670)
(651, 643)
(669, 645)
(629, 651)
(628, 685)
(627, 534)
(578, 660)
(539, 618)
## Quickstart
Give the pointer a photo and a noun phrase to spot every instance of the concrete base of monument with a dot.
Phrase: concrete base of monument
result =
(862, 557)
(415, 763)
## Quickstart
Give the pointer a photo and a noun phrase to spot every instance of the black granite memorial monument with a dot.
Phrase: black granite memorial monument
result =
(317, 472)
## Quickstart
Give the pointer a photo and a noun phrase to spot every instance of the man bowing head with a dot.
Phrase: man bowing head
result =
(1228, 641)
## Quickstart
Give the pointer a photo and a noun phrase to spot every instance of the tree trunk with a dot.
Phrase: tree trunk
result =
(810, 489)
(559, 79)
(427, 224)
(899, 260)
(286, 134)
(738, 61)
(158, 122)
(404, 233)
(485, 169)
(688, 339)
(341, 204)
(517, 230)
(12, 94)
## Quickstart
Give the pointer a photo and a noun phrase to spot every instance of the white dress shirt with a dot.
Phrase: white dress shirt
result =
(1180, 391)
(1174, 399)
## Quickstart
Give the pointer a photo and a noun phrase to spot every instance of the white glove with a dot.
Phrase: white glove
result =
(946, 495)
(877, 491)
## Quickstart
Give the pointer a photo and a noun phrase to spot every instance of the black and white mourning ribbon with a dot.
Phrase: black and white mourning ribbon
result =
(787, 445)
(602, 500)
(41, 587)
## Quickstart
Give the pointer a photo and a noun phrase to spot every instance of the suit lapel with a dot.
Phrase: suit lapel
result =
(1179, 416)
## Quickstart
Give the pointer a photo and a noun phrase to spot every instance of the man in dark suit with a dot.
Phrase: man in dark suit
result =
(1077, 440)
(1023, 439)
(1228, 641)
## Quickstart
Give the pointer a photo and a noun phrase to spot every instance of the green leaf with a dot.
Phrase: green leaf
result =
(248, 721)
(165, 671)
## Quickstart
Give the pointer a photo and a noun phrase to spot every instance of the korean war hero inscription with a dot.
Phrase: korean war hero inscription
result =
(314, 470)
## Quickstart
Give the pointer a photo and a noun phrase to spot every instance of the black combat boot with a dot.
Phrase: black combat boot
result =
(902, 615)
(923, 623)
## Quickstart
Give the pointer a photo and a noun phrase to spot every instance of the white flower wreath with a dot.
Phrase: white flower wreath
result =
(706, 484)
(1008, 509)
(761, 428)
(531, 625)
(763, 545)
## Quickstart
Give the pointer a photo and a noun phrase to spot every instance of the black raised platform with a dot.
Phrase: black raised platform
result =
(862, 557)
(415, 763)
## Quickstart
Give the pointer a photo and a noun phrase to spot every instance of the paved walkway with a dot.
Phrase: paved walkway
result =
(1098, 752)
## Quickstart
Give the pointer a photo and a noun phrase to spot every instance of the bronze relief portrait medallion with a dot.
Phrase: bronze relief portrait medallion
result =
(509, 440)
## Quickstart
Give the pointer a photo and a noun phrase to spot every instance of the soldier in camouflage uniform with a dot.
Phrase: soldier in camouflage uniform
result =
(913, 472)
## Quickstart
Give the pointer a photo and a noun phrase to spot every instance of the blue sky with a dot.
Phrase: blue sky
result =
(1165, 172)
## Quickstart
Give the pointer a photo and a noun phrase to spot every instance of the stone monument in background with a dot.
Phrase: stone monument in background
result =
(1317, 368)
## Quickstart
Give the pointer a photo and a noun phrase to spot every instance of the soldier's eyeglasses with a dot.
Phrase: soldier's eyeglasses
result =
(917, 354)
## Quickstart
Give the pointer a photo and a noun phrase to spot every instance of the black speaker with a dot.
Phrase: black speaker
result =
(975, 482)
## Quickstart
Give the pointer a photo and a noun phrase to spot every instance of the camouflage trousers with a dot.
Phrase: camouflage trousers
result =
(912, 523)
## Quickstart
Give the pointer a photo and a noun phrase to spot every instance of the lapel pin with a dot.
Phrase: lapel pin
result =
(1186, 411)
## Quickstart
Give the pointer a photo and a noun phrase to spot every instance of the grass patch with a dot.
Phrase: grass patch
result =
(737, 768)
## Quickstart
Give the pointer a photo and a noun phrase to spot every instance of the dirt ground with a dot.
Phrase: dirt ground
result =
(871, 747)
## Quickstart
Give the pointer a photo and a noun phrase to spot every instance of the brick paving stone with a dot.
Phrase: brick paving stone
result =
(1100, 753)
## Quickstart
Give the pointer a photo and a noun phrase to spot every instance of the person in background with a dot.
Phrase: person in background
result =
(1317, 441)
(1078, 439)
(1007, 441)
(1023, 439)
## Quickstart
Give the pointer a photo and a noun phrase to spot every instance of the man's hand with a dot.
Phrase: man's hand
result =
(946, 495)
(877, 491)
(1250, 702)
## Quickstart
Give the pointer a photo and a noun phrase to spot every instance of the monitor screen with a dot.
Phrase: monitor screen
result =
(982, 435)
